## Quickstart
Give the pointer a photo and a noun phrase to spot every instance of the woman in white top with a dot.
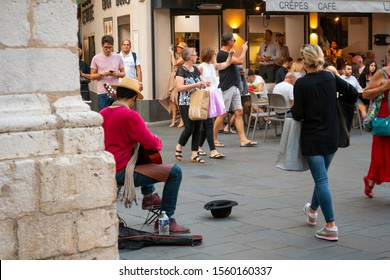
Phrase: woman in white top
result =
(208, 69)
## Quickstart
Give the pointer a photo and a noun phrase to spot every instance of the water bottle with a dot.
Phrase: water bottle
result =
(163, 224)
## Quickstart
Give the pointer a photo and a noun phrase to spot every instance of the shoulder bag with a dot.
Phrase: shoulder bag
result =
(381, 126)
(375, 105)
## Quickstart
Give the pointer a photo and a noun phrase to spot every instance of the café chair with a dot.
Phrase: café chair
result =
(254, 113)
(276, 101)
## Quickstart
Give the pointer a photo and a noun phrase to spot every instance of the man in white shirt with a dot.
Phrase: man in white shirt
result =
(132, 62)
(347, 76)
(269, 52)
(286, 88)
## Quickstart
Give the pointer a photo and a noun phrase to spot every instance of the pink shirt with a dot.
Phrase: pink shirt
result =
(122, 128)
(102, 63)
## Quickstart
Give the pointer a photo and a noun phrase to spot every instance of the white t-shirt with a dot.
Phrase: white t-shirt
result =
(258, 79)
(130, 66)
(287, 90)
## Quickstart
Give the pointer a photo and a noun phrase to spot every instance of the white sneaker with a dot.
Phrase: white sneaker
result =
(311, 218)
(330, 234)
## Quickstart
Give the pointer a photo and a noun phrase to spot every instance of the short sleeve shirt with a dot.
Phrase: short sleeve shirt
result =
(190, 78)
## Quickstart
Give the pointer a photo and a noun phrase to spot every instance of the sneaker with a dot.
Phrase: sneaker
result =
(311, 218)
(151, 201)
(174, 227)
(330, 234)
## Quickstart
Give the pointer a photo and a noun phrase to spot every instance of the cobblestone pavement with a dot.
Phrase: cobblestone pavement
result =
(268, 222)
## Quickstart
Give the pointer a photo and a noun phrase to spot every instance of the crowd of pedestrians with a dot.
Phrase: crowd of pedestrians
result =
(316, 78)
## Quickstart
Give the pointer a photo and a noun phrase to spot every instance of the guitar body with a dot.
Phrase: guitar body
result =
(148, 156)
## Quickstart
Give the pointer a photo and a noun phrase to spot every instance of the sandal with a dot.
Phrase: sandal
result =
(218, 156)
(367, 188)
(197, 159)
(178, 155)
(201, 153)
(218, 144)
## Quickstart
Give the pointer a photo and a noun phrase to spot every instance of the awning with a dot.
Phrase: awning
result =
(328, 6)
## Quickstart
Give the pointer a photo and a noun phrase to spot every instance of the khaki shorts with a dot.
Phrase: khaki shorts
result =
(232, 99)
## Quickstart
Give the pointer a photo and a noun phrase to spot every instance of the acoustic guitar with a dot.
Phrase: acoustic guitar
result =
(111, 92)
(148, 156)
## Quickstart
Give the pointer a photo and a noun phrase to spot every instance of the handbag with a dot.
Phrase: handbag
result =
(381, 126)
(290, 155)
(217, 106)
(346, 113)
(199, 105)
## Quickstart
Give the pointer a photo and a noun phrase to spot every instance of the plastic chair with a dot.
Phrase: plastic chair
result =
(255, 114)
(270, 87)
(276, 101)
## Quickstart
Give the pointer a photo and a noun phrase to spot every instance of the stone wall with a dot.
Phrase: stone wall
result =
(57, 185)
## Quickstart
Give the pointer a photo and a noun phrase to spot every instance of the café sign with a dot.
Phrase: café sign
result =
(328, 6)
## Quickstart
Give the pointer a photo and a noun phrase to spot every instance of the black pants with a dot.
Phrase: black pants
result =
(207, 133)
(191, 128)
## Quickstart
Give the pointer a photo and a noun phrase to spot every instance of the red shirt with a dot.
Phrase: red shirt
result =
(122, 128)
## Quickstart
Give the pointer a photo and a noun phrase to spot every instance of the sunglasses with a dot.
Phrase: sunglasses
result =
(265, 49)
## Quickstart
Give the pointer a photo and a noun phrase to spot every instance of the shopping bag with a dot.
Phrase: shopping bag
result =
(217, 106)
(199, 105)
(290, 156)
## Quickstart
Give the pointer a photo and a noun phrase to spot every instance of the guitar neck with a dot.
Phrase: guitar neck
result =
(111, 92)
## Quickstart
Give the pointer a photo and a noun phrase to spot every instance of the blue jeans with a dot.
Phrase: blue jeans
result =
(170, 191)
(104, 100)
(321, 195)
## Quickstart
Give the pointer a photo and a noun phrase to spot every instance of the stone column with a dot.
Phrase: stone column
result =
(57, 185)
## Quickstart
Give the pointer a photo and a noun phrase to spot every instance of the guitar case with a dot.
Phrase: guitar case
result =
(132, 239)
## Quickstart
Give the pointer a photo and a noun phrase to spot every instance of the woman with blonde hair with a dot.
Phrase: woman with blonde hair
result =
(320, 131)
(169, 100)
(379, 172)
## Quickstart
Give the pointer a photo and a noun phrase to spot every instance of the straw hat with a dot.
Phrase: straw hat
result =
(131, 84)
(182, 45)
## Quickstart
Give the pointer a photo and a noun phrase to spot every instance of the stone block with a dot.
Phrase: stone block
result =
(81, 182)
(18, 189)
(108, 253)
(28, 144)
(97, 228)
(25, 112)
(79, 140)
(53, 16)
(14, 16)
(7, 240)
(46, 70)
(43, 237)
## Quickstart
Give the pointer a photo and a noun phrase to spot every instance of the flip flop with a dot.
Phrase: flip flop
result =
(201, 153)
(178, 155)
(249, 144)
(218, 144)
(197, 159)
(218, 156)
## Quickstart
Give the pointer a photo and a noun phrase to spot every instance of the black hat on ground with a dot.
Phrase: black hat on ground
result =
(220, 208)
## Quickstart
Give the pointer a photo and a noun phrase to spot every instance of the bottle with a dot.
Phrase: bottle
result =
(163, 224)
